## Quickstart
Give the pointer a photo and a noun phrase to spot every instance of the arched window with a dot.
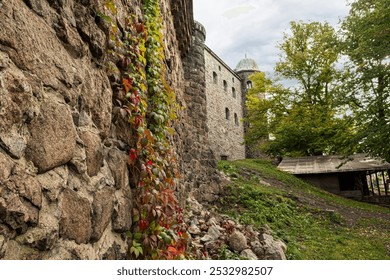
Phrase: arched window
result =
(225, 85)
(233, 80)
(215, 78)
(236, 119)
(248, 84)
(227, 113)
(234, 92)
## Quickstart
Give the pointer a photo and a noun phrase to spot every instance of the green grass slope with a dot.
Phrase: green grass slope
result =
(315, 224)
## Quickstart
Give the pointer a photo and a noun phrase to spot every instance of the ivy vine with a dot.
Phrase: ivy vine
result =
(149, 104)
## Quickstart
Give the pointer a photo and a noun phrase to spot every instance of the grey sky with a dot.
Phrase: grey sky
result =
(254, 27)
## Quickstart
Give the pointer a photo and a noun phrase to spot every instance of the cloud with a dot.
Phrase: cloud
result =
(254, 27)
(237, 11)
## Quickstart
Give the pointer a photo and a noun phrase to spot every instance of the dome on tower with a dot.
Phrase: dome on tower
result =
(247, 64)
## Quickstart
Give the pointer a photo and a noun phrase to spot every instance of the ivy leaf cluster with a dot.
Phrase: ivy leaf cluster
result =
(149, 104)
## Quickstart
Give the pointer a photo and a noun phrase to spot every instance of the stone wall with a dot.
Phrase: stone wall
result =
(224, 108)
(64, 181)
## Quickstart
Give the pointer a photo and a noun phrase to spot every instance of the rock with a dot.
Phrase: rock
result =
(28, 187)
(78, 162)
(12, 142)
(102, 207)
(53, 181)
(265, 236)
(258, 249)
(282, 245)
(206, 238)
(194, 205)
(53, 137)
(273, 250)
(248, 254)
(237, 241)
(114, 253)
(93, 151)
(193, 229)
(70, 250)
(75, 220)
(212, 222)
(6, 166)
(17, 251)
(117, 161)
(121, 217)
(2, 246)
(42, 239)
(15, 211)
(214, 232)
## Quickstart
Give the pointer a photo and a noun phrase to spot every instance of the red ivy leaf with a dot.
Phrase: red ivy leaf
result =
(132, 155)
(127, 83)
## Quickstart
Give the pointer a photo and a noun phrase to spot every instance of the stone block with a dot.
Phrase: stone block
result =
(76, 220)
(102, 207)
(28, 186)
(117, 161)
(6, 166)
(121, 217)
(53, 137)
(93, 151)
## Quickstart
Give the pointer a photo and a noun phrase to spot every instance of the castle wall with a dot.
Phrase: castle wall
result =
(64, 179)
(224, 109)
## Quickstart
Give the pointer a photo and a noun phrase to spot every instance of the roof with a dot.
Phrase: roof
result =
(247, 64)
(332, 164)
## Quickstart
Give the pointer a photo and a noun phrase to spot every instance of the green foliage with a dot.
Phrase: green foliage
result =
(305, 120)
(365, 40)
(309, 54)
(310, 232)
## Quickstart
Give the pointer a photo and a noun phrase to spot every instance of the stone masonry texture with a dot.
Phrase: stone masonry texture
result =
(64, 182)
(65, 187)
(224, 109)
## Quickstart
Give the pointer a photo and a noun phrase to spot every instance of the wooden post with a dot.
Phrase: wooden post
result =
(372, 185)
(384, 182)
(377, 183)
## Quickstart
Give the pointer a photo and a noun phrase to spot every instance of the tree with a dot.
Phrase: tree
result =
(366, 41)
(303, 120)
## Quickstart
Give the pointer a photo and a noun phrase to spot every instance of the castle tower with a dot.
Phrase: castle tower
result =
(244, 69)
(198, 155)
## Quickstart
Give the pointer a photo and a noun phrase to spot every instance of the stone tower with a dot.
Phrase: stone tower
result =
(244, 69)
(198, 156)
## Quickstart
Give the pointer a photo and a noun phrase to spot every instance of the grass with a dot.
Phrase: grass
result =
(298, 214)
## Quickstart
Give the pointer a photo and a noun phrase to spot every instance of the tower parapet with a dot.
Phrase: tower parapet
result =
(199, 31)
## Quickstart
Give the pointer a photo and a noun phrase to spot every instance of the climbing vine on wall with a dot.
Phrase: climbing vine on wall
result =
(145, 99)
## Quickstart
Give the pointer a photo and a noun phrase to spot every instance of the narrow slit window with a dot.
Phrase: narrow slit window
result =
(225, 86)
(236, 119)
(215, 78)
(227, 113)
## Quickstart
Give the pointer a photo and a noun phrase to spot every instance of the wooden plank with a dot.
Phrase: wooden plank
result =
(384, 182)
(371, 184)
(377, 183)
